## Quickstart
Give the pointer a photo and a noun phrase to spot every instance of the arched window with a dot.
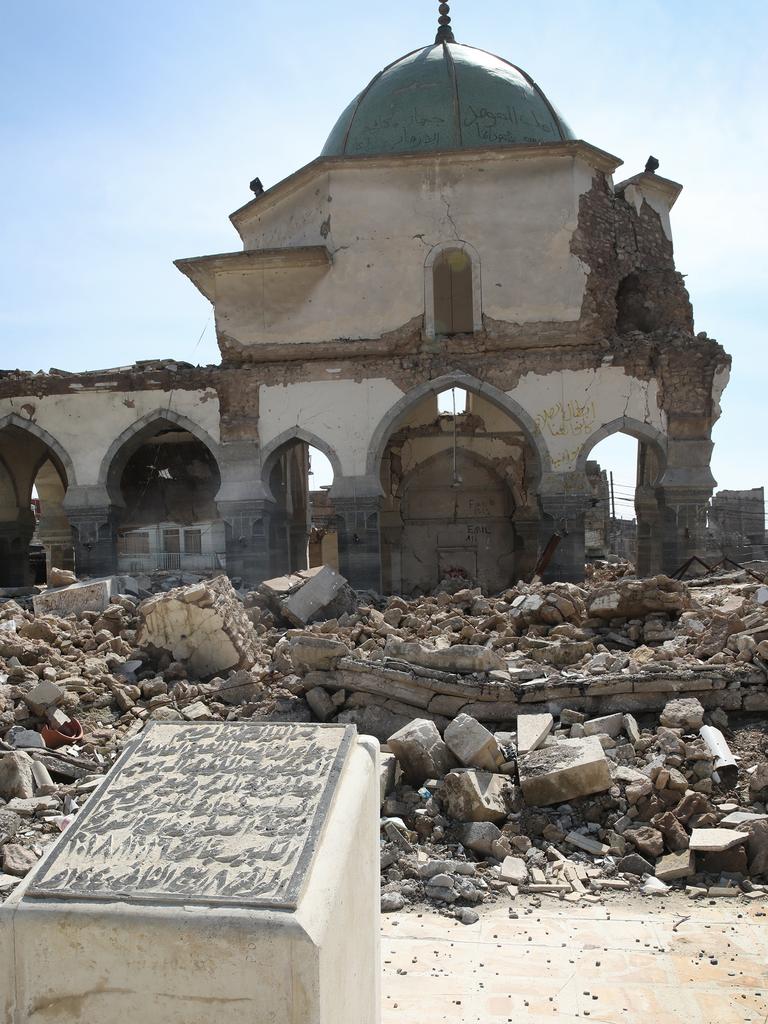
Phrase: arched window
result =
(453, 301)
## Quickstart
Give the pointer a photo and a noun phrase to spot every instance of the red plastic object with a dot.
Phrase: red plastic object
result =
(72, 732)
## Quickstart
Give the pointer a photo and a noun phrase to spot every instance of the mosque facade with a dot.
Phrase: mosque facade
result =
(454, 235)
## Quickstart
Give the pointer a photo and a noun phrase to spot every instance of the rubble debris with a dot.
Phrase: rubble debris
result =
(464, 678)
(204, 626)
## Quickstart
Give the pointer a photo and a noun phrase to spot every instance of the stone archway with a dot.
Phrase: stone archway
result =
(30, 456)
(459, 531)
(434, 469)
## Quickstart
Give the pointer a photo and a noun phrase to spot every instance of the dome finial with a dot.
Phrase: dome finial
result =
(444, 32)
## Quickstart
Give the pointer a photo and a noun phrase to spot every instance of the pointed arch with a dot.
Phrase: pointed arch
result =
(270, 453)
(641, 431)
(134, 436)
(60, 456)
(399, 413)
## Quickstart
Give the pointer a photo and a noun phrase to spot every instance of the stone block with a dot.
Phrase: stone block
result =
(461, 658)
(532, 730)
(42, 696)
(255, 898)
(473, 744)
(16, 780)
(88, 596)
(320, 703)
(611, 725)
(715, 840)
(316, 653)
(421, 751)
(564, 771)
(676, 865)
(315, 597)
(470, 795)
(205, 626)
(514, 870)
(683, 713)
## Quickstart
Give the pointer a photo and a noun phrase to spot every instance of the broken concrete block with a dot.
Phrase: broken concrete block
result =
(588, 845)
(205, 626)
(676, 865)
(9, 824)
(321, 704)
(16, 781)
(461, 658)
(634, 864)
(88, 596)
(715, 840)
(240, 688)
(683, 713)
(514, 870)
(421, 751)
(610, 725)
(485, 838)
(316, 653)
(634, 599)
(387, 774)
(647, 841)
(476, 796)
(43, 696)
(532, 730)
(325, 595)
(60, 577)
(757, 846)
(473, 744)
(564, 771)
(17, 860)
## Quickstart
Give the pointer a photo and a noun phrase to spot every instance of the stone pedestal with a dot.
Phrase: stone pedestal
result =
(223, 872)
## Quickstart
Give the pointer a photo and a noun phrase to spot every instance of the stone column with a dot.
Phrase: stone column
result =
(248, 525)
(15, 535)
(684, 492)
(94, 536)
(650, 519)
(564, 499)
(358, 502)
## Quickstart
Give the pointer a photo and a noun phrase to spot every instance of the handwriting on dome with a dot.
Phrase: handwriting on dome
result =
(210, 813)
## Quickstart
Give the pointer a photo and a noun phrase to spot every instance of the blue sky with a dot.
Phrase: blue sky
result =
(131, 131)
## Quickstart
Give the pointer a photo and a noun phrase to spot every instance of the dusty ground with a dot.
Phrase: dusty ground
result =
(631, 959)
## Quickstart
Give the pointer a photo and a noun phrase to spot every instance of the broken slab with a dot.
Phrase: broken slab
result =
(325, 594)
(715, 840)
(16, 780)
(460, 658)
(204, 626)
(316, 653)
(564, 771)
(258, 889)
(532, 730)
(473, 744)
(476, 796)
(86, 596)
(421, 751)
(676, 865)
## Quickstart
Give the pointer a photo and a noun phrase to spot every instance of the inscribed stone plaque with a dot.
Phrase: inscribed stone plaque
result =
(204, 813)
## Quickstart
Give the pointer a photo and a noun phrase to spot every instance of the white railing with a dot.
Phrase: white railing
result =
(169, 561)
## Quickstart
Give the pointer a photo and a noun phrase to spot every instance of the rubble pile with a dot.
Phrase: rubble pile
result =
(498, 697)
(572, 810)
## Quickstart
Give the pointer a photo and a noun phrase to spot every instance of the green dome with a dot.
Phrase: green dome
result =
(447, 96)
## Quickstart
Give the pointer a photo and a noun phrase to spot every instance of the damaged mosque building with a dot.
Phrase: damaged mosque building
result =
(454, 235)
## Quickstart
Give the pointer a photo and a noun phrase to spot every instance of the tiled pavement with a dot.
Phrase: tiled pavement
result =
(617, 963)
